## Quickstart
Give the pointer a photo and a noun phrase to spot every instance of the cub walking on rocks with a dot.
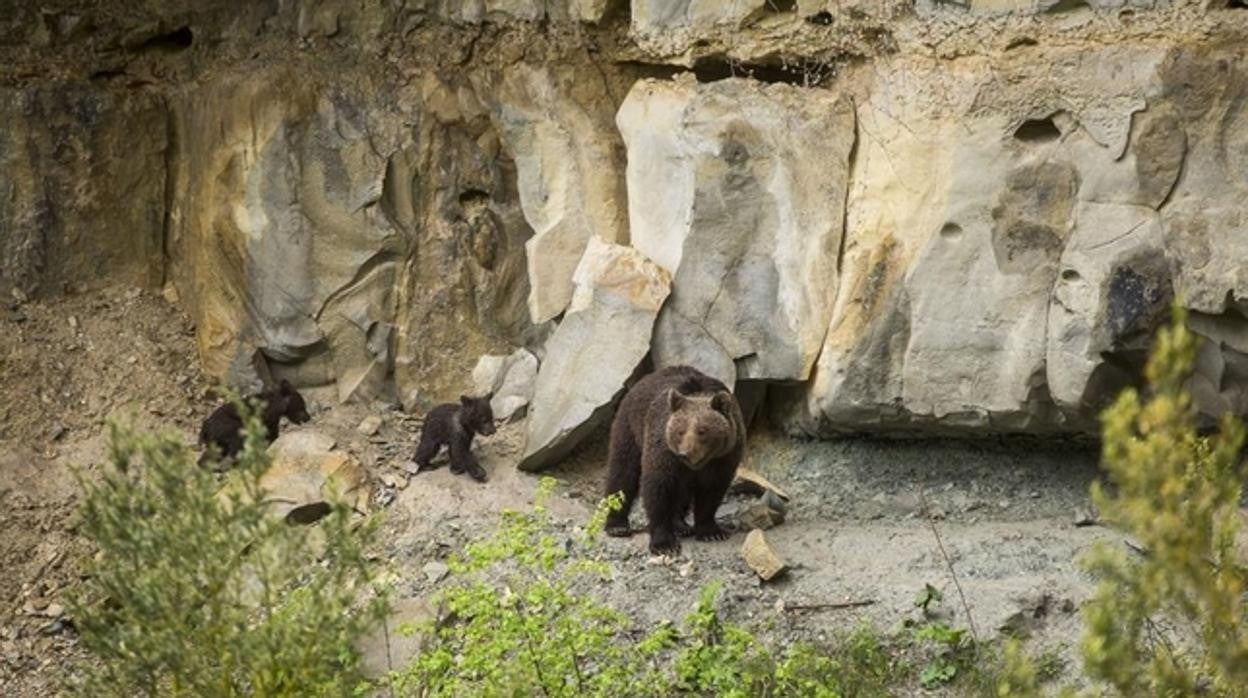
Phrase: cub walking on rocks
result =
(678, 437)
(223, 428)
(455, 425)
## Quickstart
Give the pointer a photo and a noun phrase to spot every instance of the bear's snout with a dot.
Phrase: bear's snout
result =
(487, 428)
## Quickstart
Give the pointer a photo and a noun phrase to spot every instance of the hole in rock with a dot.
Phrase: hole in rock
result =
(1038, 131)
(1069, 6)
(177, 40)
(781, 6)
(951, 231)
(1236, 5)
(1070, 275)
(823, 18)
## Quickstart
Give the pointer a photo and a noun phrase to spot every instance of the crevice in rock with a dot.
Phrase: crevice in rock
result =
(179, 39)
(381, 257)
(849, 185)
(780, 6)
(1069, 6)
(822, 18)
(166, 225)
(713, 69)
(1236, 5)
(1037, 131)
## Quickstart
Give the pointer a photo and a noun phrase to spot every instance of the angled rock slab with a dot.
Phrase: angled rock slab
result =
(602, 339)
(307, 475)
(738, 189)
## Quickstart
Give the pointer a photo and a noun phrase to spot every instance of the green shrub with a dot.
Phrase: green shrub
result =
(197, 593)
(513, 625)
(1176, 493)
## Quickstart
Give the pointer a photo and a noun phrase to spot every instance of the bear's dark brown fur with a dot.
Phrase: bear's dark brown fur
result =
(678, 437)
(223, 428)
(455, 425)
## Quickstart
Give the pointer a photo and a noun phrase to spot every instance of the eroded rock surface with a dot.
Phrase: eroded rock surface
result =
(738, 189)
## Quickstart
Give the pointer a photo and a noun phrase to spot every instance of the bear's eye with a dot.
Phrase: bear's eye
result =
(702, 431)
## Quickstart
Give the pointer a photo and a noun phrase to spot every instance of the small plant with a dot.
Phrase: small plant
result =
(952, 645)
(927, 596)
(194, 593)
(512, 624)
(1177, 493)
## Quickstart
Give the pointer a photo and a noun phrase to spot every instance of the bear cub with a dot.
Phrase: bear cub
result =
(454, 425)
(223, 428)
(678, 438)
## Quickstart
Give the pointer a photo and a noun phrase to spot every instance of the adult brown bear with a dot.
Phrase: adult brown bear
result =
(678, 437)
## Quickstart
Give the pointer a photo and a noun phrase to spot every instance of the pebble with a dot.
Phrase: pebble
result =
(371, 425)
(435, 571)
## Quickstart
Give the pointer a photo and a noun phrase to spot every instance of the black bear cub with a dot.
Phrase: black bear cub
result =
(455, 425)
(678, 437)
(224, 427)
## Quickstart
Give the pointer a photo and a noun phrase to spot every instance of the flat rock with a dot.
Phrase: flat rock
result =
(371, 425)
(751, 482)
(599, 344)
(760, 516)
(305, 477)
(759, 555)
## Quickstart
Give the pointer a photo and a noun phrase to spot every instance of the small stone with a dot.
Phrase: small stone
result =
(1085, 517)
(132, 360)
(397, 482)
(761, 558)
(1034, 494)
(775, 502)
(54, 610)
(435, 571)
(73, 323)
(760, 516)
(686, 569)
(409, 466)
(170, 294)
(371, 425)
(58, 430)
(1004, 504)
(750, 482)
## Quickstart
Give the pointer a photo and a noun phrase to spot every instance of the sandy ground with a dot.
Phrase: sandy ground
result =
(857, 528)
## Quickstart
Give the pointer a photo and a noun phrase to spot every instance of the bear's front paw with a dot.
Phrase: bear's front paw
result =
(710, 533)
(477, 473)
(618, 528)
(682, 529)
(664, 544)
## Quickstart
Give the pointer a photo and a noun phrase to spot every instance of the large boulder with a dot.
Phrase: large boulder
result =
(1003, 262)
(738, 189)
(599, 344)
(509, 378)
(557, 125)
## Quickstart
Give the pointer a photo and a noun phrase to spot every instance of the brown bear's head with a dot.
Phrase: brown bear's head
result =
(476, 415)
(293, 406)
(700, 427)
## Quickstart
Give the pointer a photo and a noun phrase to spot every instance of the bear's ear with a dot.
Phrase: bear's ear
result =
(674, 399)
(722, 401)
(465, 400)
(285, 387)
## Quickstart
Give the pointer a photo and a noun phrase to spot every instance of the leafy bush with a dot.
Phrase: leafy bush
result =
(197, 593)
(513, 625)
(1176, 492)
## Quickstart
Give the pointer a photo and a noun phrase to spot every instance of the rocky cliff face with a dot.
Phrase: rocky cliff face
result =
(911, 215)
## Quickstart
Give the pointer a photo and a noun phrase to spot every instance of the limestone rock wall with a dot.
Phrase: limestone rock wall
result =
(921, 216)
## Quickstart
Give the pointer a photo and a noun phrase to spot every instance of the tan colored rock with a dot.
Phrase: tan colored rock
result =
(557, 126)
(386, 649)
(1001, 243)
(306, 476)
(751, 482)
(761, 516)
(738, 189)
(758, 554)
(596, 348)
